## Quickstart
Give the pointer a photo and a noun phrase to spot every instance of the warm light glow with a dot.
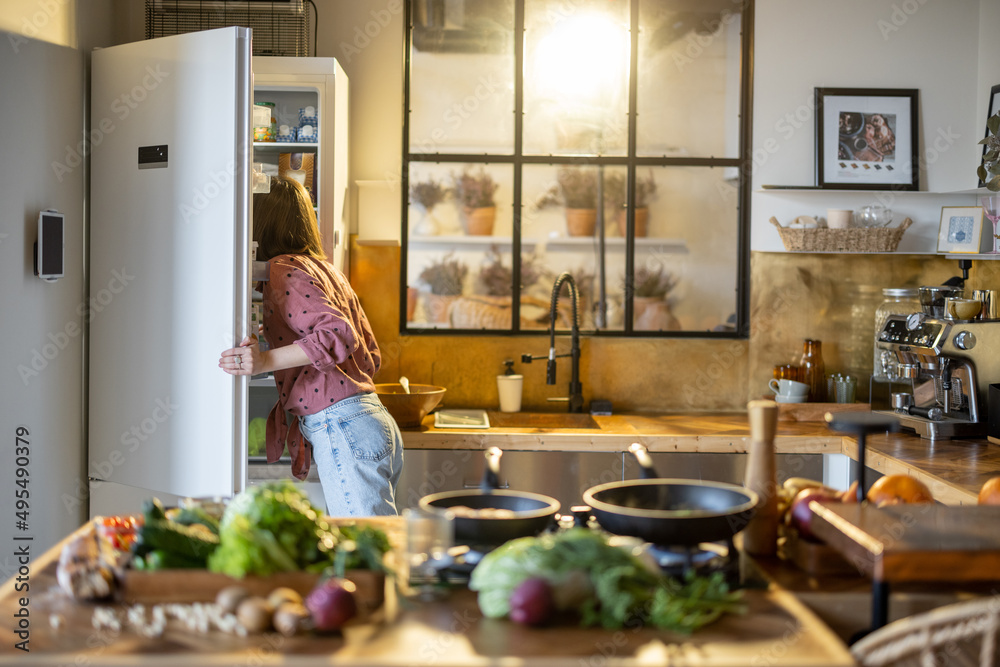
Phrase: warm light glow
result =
(584, 60)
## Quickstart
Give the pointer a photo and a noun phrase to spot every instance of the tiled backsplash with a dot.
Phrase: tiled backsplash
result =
(830, 297)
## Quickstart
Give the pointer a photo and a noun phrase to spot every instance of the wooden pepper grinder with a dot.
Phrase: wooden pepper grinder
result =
(760, 537)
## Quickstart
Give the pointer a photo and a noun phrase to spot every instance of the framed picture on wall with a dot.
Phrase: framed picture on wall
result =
(961, 229)
(866, 139)
(993, 108)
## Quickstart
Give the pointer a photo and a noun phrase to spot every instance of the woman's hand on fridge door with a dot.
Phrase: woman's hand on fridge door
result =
(247, 359)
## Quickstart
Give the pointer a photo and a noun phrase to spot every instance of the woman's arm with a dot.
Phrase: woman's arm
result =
(248, 359)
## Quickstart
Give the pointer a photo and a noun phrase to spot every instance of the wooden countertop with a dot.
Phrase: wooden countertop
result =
(778, 630)
(954, 470)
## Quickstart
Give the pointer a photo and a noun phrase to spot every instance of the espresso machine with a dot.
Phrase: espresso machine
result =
(939, 372)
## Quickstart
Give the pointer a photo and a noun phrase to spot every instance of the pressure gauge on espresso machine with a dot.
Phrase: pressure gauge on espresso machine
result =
(914, 321)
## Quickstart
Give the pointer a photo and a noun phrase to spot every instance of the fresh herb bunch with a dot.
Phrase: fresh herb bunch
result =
(616, 194)
(445, 276)
(989, 170)
(360, 548)
(474, 189)
(495, 279)
(428, 194)
(606, 585)
(652, 282)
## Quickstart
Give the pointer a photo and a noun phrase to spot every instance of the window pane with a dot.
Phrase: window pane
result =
(691, 247)
(460, 226)
(462, 77)
(688, 99)
(576, 63)
(559, 226)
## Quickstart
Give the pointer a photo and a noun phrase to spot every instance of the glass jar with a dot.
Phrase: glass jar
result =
(813, 370)
(897, 301)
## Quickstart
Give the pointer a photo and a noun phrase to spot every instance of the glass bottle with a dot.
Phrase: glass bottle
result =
(813, 370)
(898, 301)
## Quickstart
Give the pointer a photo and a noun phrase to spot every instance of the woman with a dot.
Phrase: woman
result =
(323, 356)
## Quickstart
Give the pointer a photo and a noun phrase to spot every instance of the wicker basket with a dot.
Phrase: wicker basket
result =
(862, 239)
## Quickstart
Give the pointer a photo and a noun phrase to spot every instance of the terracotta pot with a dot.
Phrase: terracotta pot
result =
(652, 313)
(581, 221)
(641, 220)
(438, 306)
(479, 221)
(411, 302)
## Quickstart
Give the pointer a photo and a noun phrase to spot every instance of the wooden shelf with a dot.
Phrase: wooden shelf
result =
(286, 146)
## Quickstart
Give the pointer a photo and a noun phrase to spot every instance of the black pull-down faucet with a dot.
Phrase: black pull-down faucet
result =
(575, 398)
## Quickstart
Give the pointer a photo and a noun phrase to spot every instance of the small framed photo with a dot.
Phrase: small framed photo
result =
(961, 230)
(866, 139)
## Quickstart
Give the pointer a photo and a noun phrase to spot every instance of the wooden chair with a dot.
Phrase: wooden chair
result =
(957, 635)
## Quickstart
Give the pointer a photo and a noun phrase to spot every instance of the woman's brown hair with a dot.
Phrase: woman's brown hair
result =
(284, 222)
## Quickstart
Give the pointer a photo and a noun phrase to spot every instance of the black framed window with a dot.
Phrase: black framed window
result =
(606, 138)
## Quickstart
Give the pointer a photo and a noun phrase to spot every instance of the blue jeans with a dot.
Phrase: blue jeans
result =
(358, 451)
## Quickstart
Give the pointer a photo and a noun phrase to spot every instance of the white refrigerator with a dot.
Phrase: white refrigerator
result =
(170, 270)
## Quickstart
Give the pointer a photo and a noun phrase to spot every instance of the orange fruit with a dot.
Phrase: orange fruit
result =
(990, 493)
(896, 489)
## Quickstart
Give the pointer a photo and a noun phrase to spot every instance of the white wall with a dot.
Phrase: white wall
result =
(930, 45)
(367, 40)
(42, 356)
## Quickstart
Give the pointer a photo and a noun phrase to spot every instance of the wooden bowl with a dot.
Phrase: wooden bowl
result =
(409, 409)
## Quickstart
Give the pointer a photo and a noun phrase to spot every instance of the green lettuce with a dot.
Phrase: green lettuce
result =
(607, 585)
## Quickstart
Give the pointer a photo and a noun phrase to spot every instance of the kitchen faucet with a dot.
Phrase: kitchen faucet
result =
(575, 398)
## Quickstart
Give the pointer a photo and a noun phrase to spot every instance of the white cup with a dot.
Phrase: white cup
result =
(509, 388)
(838, 218)
(788, 387)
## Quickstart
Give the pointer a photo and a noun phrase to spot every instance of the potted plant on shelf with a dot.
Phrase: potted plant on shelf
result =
(651, 310)
(445, 279)
(490, 305)
(617, 195)
(576, 190)
(989, 175)
(474, 192)
(425, 195)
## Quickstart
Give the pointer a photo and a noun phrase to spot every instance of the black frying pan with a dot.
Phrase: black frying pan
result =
(533, 512)
(670, 511)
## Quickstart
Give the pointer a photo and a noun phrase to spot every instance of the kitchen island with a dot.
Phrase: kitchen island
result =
(776, 630)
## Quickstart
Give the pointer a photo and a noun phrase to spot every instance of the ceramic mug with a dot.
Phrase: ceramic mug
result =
(838, 218)
(961, 309)
(789, 391)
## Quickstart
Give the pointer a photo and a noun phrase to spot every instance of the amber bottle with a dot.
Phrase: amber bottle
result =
(813, 371)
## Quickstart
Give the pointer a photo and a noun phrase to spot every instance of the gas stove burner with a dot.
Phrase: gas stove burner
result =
(702, 559)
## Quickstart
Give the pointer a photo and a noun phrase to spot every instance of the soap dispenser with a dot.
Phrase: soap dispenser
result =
(509, 386)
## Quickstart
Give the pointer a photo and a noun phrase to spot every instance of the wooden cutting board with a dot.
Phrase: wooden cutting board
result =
(914, 543)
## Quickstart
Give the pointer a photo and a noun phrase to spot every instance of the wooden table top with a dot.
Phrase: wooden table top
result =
(777, 630)
(914, 543)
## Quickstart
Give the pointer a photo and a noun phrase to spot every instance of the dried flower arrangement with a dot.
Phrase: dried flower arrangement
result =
(989, 170)
(575, 187)
(428, 194)
(495, 279)
(616, 194)
(649, 282)
(445, 276)
(474, 189)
